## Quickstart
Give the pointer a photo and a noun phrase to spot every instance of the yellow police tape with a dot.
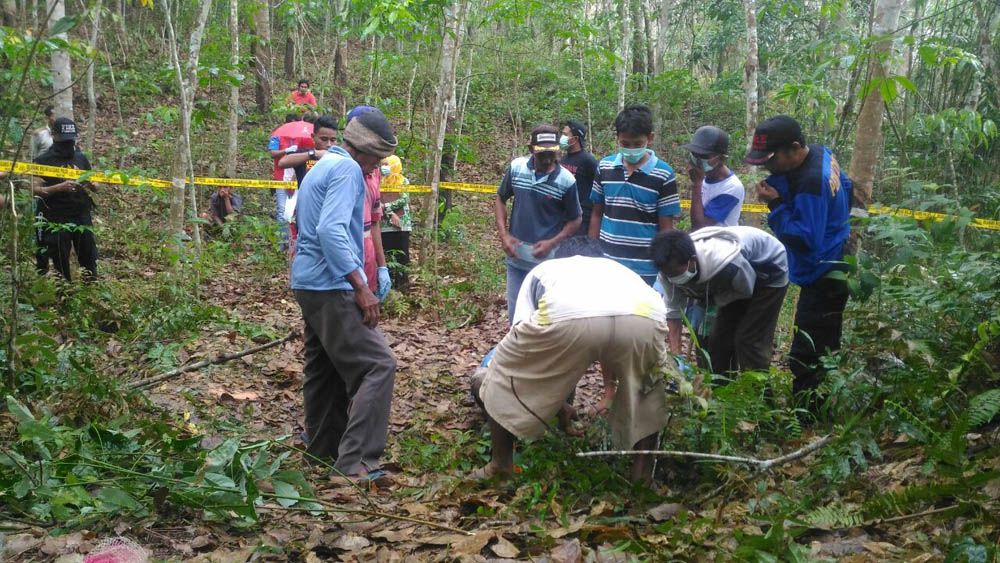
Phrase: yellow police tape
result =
(120, 178)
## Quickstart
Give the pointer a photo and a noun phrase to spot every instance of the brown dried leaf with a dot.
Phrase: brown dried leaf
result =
(471, 545)
(504, 548)
(568, 552)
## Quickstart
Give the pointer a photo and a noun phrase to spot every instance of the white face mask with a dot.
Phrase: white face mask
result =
(564, 142)
(682, 279)
(385, 170)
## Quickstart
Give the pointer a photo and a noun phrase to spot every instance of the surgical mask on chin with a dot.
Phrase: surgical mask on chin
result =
(632, 156)
(706, 167)
(564, 142)
(682, 279)
(384, 170)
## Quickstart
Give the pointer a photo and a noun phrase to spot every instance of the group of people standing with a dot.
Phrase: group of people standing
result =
(573, 300)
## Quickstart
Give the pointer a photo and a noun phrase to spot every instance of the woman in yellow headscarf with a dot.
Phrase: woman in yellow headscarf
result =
(396, 220)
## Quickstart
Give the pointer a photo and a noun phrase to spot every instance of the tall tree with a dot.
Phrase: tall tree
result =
(234, 89)
(868, 139)
(260, 50)
(750, 71)
(187, 84)
(62, 74)
(625, 51)
(8, 13)
(95, 31)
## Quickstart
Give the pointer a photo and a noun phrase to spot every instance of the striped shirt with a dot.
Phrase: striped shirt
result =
(633, 206)
(542, 206)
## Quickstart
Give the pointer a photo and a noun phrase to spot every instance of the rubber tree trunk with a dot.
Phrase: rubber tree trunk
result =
(868, 140)
(8, 13)
(750, 72)
(989, 18)
(444, 99)
(62, 74)
(95, 32)
(261, 54)
(624, 51)
(187, 82)
(234, 89)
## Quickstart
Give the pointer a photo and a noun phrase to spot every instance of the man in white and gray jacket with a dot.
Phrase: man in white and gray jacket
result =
(743, 271)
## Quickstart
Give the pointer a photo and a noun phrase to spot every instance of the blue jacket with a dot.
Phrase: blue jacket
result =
(812, 216)
(329, 213)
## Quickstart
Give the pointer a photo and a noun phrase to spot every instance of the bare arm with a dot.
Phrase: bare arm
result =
(674, 335)
(500, 215)
(596, 216)
(698, 218)
(666, 224)
(39, 189)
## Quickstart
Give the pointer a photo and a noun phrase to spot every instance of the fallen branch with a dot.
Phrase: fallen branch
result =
(143, 384)
(758, 464)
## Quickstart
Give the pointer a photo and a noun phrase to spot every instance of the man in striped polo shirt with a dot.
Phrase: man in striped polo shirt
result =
(546, 209)
(634, 195)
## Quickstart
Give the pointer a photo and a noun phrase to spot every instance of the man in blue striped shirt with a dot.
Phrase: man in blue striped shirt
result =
(634, 195)
(546, 209)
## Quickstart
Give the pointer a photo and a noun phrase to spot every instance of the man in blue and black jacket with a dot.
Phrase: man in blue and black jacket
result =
(810, 201)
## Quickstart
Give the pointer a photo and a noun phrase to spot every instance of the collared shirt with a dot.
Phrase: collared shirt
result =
(633, 205)
(542, 205)
(329, 214)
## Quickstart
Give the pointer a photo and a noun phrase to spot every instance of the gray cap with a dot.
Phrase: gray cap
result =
(708, 140)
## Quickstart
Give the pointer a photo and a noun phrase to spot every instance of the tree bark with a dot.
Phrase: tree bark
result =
(62, 73)
(290, 56)
(8, 10)
(750, 71)
(624, 52)
(867, 142)
(95, 32)
(234, 90)
(187, 82)
(261, 54)
(988, 22)
(444, 99)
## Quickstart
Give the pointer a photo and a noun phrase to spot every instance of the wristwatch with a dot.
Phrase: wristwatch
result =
(312, 153)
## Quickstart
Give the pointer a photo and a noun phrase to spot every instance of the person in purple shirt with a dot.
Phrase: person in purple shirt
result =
(349, 369)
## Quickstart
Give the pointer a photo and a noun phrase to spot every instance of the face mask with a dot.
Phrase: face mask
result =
(682, 279)
(706, 167)
(632, 156)
(385, 170)
(564, 142)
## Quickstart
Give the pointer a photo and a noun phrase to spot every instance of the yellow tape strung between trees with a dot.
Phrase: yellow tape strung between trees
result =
(123, 179)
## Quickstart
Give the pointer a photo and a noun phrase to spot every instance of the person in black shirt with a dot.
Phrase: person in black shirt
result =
(64, 207)
(581, 164)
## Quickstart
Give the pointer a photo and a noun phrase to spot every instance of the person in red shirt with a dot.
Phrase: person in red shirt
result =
(301, 96)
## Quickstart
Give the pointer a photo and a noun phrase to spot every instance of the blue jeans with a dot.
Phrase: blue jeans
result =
(515, 277)
(280, 198)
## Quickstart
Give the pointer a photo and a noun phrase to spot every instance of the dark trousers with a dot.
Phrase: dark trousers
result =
(819, 319)
(55, 243)
(743, 331)
(396, 245)
(348, 379)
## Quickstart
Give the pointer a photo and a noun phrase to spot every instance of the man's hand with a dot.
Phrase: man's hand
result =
(394, 220)
(543, 248)
(509, 244)
(696, 174)
(224, 192)
(368, 304)
(766, 192)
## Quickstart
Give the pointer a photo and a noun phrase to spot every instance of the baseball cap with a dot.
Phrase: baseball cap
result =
(545, 138)
(772, 134)
(708, 140)
(578, 129)
(359, 110)
(64, 129)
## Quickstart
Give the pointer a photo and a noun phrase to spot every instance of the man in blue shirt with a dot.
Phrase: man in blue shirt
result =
(810, 199)
(349, 369)
(546, 209)
(634, 195)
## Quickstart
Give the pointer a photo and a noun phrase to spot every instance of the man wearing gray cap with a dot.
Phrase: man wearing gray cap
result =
(716, 192)
(349, 371)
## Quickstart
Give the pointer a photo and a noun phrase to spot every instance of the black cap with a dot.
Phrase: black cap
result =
(708, 140)
(577, 129)
(772, 134)
(63, 129)
(545, 138)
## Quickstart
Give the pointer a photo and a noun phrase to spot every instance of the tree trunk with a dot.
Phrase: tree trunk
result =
(95, 32)
(637, 49)
(662, 25)
(234, 90)
(750, 71)
(62, 74)
(867, 142)
(624, 52)
(261, 53)
(187, 82)
(647, 41)
(8, 9)
(988, 22)
(444, 99)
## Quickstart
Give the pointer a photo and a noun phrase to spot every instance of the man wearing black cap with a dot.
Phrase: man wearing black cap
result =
(582, 165)
(65, 206)
(809, 197)
(349, 371)
(546, 209)
(716, 192)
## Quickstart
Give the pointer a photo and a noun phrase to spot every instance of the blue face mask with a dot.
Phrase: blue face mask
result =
(385, 170)
(702, 162)
(632, 156)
